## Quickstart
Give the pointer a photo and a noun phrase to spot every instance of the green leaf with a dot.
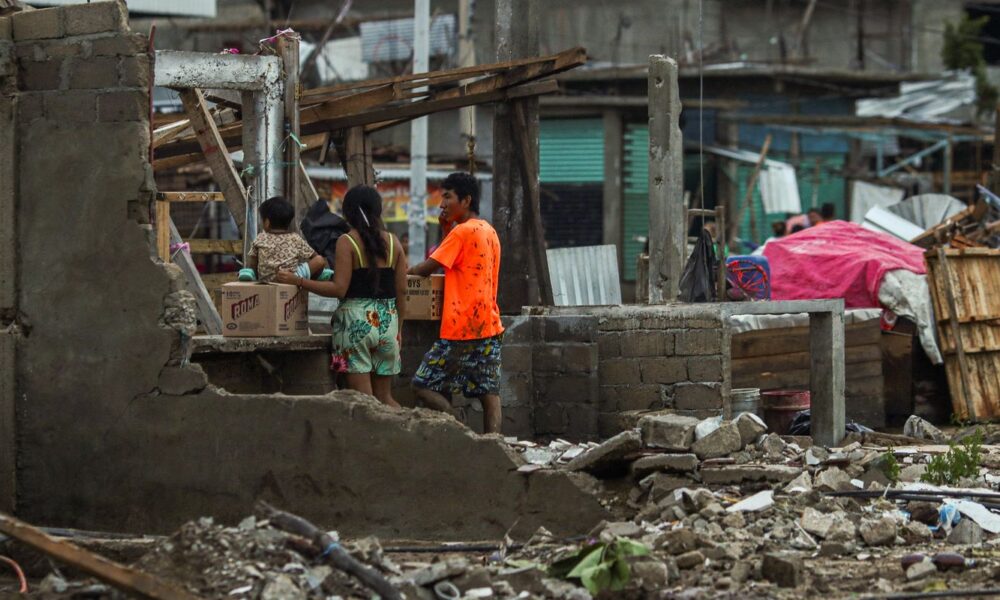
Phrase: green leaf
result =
(620, 575)
(591, 560)
(630, 548)
(596, 579)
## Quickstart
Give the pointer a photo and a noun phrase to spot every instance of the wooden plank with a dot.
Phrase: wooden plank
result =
(211, 322)
(782, 340)
(800, 360)
(288, 50)
(965, 391)
(128, 579)
(190, 196)
(751, 184)
(217, 155)
(163, 230)
(528, 165)
(436, 77)
(205, 246)
(799, 378)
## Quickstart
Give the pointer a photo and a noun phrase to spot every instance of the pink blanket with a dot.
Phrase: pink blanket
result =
(837, 260)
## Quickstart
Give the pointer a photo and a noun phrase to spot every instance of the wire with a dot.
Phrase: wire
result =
(20, 573)
(701, 112)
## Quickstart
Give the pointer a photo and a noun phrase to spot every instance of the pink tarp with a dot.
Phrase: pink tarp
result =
(838, 260)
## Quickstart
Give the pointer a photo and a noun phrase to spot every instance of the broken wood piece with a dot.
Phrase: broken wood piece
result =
(190, 196)
(528, 165)
(128, 579)
(163, 230)
(217, 155)
(330, 549)
(210, 246)
(751, 184)
(358, 163)
(211, 322)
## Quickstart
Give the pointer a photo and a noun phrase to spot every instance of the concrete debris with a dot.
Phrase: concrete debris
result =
(965, 533)
(783, 569)
(833, 480)
(669, 432)
(817, 523)
(721, 442)
(750, 427)
(919, 428)
(612, 452)
(690, 559)
(878, 532)
(674, 463)
(759, 501)
(921, 569)
(707, 426)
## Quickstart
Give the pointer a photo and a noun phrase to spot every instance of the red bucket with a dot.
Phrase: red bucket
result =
(780, 407)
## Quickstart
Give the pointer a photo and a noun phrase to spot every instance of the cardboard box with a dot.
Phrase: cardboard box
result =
(264, 309)
(424, 297)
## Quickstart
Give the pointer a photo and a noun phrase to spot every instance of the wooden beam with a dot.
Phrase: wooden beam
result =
(127, 579)
(751, 184)
(956, 332)
(436, 77)
(163, 230)
(528, 164)
(217, 156)
(358, 158)
(190, 196)
(288, 49)
(207, 246)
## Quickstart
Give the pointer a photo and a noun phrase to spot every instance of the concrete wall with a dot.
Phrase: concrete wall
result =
(111, 431)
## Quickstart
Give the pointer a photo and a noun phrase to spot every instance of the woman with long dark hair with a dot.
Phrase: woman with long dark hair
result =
(369, 277)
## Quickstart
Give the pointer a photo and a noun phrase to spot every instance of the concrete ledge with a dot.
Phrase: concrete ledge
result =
(207, 344)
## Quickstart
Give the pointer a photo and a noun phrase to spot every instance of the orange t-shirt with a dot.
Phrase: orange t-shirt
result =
(470, 255)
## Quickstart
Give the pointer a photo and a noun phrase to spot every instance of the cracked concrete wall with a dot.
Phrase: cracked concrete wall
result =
(111, 432)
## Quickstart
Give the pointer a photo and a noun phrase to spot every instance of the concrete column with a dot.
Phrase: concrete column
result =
(667, 217)
(826, 382)
(417, 207)
(614, 193)
(8, 303)
(516, 33)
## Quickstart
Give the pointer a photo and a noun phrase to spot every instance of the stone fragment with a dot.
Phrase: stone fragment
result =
(773, 446)
(800, 485)
(445, 569)
(721, 442)
(816, 523)
(608, 454)
(920, 570)
(831, 548)
(919, 428)
(966, 532)
(621, 529)
(816, 455)
(878, 532)
(177, 381)
(281, 588)
(673, 463)
(833, 480)
(691, 559)
(783, 569)
(760, 501)
(679, 541)
(912, 473)
(741, 571)
(751, 427)
(670, 432)
(652, 575)
(916, 532)
(734, 520)
(843, 530)
(662, 485)
(925, 512)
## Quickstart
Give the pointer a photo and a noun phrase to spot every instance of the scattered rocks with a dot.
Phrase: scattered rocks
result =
(966, 532)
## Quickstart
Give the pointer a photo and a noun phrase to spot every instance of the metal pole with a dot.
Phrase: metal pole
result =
(417, 214)
(466, 58)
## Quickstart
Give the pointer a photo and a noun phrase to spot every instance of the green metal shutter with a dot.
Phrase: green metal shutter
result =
(636, 217)
(571, 150)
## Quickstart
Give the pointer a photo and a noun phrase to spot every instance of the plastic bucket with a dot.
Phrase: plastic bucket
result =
(780, 407)
(745, 400)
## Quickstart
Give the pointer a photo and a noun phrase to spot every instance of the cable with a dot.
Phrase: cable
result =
(701, 111)
(20, 573)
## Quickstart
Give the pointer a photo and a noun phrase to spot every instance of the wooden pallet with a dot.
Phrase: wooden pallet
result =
(966, 283)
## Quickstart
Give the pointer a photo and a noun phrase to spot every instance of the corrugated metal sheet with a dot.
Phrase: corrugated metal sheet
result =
(951, 99)
(392, 39)
(585, 276)
(185, 8)
(571, 150)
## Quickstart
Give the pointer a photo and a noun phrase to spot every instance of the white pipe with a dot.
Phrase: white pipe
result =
(417, 213)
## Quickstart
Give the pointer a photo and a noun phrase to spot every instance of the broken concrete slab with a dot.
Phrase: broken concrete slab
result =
(609, 454)
(833, 479)
(966, 532)
(672, 463)
(921, 570)
(177, 381)
(760, 501)
(721, 442)
(730, 474)
(919, 428)
(878, 532)
(816, 523)
(668, 431)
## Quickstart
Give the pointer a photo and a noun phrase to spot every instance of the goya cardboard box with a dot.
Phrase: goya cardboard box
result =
(424, 297)
(264, 309)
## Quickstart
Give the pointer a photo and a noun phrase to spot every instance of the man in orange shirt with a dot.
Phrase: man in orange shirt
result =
(466, 359)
